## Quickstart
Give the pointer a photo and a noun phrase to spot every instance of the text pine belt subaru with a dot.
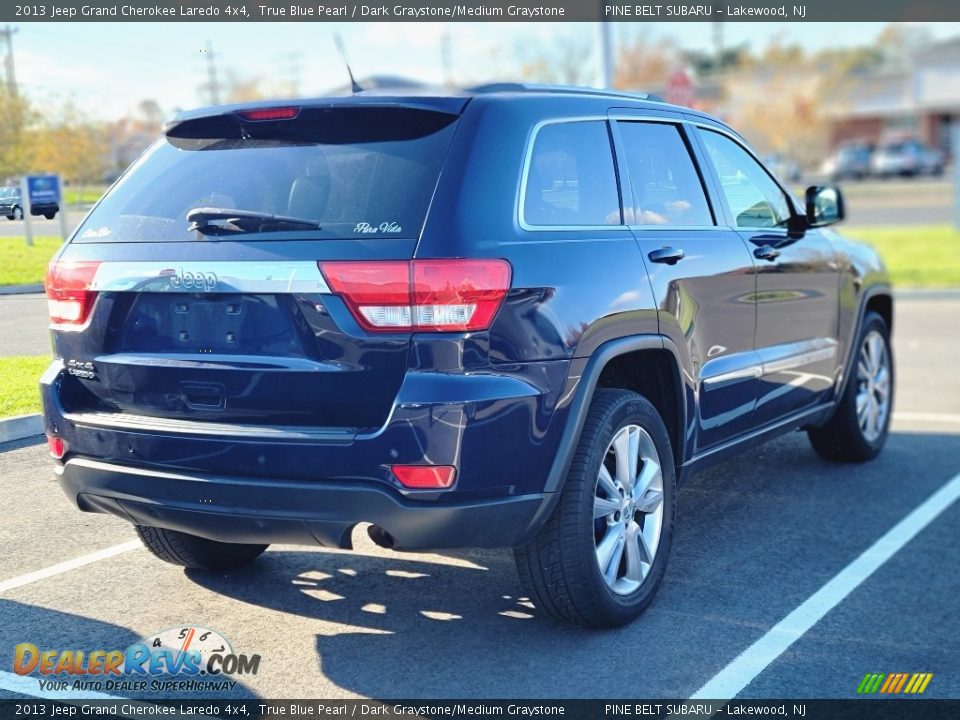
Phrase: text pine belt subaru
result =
(512, 316)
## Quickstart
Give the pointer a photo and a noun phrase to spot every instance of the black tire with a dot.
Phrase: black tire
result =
(49, 216)
(841, 439)
(17, 214)
(559, 567)
(195, 552)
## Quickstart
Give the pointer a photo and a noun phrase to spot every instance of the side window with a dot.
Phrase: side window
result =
(571, 179)
(755, 200)
(666, 187)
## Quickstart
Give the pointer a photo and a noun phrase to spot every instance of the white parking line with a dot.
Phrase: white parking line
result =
(927, 417)
(67, 566)
(727, 683)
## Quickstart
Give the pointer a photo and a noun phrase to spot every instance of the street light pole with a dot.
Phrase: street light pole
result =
(7, 34)
(26, 210)
(606, 54)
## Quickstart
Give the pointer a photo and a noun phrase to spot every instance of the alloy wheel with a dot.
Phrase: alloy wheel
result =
(628, 509)
(873, 386)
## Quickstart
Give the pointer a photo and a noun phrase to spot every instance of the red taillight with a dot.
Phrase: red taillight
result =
(56, 446)
(69, 297)
(425, 477)
(275, 113)
(422, 295)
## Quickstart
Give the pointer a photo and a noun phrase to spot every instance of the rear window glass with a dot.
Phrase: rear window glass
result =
(356, 172)
(571, 179)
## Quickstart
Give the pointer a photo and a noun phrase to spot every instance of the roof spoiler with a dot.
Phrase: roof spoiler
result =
(187, 124)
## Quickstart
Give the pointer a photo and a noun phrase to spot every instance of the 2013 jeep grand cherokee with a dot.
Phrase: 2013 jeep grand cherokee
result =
(514, 316)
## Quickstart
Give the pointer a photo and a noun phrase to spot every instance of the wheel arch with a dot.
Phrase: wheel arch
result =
(622, 363)
(610, 357)
(878, 299)
(880, 302)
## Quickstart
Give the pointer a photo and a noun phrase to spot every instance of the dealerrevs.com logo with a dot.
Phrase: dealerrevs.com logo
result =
(186, 658)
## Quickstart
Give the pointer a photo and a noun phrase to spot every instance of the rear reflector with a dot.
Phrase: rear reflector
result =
(69, 298)
(425, 477)
(56, 446)
(276, 113)
(422, 295)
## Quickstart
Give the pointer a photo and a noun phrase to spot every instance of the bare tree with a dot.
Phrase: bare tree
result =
(569, 61)
(643, 62)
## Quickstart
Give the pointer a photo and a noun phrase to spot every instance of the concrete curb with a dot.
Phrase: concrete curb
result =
(20, 427)
(21, 289)
(926, 293)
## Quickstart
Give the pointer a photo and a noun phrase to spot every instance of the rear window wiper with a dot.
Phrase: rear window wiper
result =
(224, 221)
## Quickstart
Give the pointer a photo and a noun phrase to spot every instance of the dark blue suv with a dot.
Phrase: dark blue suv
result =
(513, 316)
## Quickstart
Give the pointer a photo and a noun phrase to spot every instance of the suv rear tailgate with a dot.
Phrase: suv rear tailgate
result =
(259, 341)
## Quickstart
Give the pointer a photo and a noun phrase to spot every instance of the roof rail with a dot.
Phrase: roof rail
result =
(498, 87)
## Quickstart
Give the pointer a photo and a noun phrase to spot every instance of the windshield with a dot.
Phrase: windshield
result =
(353, 172)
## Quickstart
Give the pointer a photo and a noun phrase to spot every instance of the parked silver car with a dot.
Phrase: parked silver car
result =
(849, 161)
(906, 158)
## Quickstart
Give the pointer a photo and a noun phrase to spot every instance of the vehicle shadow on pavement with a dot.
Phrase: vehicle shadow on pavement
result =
(55, 630)
(393, 626)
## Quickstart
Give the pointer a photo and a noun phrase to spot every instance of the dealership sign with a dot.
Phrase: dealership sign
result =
(43, 189)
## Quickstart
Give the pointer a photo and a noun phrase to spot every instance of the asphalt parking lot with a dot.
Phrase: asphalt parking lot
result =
(757, 537)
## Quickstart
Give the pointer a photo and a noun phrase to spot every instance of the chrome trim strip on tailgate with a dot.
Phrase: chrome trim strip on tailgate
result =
(145, 423)
(264, 277)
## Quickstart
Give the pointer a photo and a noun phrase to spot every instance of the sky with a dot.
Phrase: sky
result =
(108, 68)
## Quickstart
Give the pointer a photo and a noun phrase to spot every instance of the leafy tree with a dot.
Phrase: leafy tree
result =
(16, 151)
(67, 142)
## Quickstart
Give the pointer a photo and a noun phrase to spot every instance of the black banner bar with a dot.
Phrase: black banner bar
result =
(476, 11)
(863, 709)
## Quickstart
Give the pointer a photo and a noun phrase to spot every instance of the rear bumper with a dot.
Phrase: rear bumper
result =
(243, 510)
(501, 431)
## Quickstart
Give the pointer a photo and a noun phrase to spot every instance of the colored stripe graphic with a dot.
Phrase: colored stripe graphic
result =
(871, 683)
(894, 683)
(918, 683)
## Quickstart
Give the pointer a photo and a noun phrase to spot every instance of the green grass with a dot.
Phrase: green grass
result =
(917, 256)
(19, 378)
(22, 265)
(91, 193)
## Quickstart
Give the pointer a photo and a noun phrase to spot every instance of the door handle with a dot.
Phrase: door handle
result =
(766, 252)
(668, 255)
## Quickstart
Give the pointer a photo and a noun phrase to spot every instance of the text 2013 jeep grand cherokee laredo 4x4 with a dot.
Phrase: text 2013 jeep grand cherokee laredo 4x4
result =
(514, 316)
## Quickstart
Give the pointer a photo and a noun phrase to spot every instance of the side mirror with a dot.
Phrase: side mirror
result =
(824, 206)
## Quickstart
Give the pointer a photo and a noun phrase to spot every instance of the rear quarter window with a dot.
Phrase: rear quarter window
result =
(571, 180)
